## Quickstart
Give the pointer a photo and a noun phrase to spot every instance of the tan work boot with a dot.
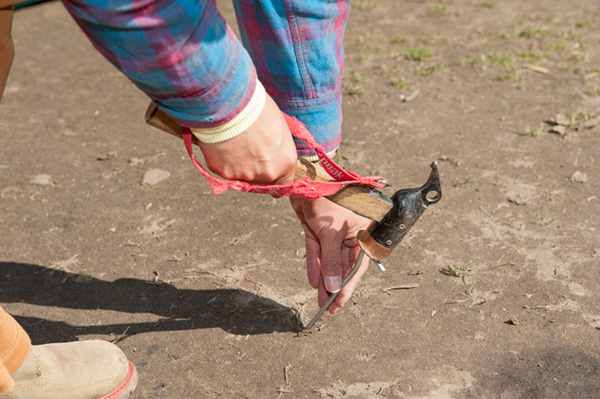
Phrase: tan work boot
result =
(74, 370)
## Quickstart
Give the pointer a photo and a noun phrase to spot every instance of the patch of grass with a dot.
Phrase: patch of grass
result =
(398, 39)
(504, 78)
(437, 9)
(538, 33)
(527, 18)
(365, 50)
(394, 54)
(576, 57)
(353, 89)
(531, 132)
(357, 77)
(560, 45)
(532, 57)
(578, 117)
(462, 181)
(544, 220)
(582, 24)
(419, 53)
(470, 61)
(432, 39)
(490, 4)
(400, 82)
(457, 271)
(365, 58)
(428, 70)
(365, 5)
(383, 68)
(505, 60)
(533, 32)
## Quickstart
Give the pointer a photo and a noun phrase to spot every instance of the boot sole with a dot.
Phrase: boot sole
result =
(124, 390)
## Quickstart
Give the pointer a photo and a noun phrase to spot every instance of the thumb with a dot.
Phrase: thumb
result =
(331, 263)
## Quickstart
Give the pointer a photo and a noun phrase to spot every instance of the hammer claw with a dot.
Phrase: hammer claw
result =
(407, 207)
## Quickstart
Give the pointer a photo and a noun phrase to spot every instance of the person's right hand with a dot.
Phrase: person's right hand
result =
(331, 247)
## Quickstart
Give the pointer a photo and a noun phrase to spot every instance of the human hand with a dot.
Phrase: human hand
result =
(263, 154)
(331, 247)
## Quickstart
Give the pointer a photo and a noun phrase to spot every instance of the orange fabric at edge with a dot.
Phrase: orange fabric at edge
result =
(7, 50)
(14, 348)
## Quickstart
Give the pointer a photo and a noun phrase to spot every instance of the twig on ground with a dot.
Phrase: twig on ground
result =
(410, 97)
(400, 287)
(120, 337)
(502, 265)
(536, 68)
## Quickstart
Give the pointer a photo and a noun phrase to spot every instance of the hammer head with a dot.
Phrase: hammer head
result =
(408, 206)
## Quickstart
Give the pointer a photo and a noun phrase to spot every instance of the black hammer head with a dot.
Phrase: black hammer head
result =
(408, 206)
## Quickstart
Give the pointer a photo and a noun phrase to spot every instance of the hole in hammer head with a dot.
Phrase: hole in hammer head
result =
(432, 196)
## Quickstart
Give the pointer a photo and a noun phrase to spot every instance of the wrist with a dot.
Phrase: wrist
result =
(335, 155)
(239, 124)
(264, 154)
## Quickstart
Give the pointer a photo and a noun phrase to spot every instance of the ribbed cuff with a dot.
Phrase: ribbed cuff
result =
(237, 125)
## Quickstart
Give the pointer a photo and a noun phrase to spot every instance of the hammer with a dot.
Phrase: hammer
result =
(394, 216)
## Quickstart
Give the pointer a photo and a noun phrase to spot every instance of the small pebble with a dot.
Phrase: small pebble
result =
(154, 176)
(517, 199)
(135, 161)
(579, 177)
(41, 180)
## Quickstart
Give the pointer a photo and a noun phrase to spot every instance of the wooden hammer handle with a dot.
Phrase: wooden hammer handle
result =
(362, 200)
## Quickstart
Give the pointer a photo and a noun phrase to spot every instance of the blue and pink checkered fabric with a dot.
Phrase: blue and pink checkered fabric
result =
(187, 59)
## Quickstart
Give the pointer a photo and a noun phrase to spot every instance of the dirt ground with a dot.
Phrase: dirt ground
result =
(206, 294)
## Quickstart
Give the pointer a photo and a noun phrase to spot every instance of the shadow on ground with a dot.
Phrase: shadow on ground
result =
(552, 373)
(235, 311)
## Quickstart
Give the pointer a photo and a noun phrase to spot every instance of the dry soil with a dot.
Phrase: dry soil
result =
(206, 294)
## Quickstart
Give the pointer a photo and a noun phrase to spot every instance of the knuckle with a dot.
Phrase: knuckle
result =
(330, 267)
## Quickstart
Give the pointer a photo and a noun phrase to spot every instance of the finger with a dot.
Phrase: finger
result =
(331, 262)
(323, 296)
(333, 308)
(313, 265)
(347, 263)
(349, 288)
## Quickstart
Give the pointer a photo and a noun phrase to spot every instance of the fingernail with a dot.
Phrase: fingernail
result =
(333, 283)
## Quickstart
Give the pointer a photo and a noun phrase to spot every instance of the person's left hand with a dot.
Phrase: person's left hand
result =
(263, 154)
(331, 247)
